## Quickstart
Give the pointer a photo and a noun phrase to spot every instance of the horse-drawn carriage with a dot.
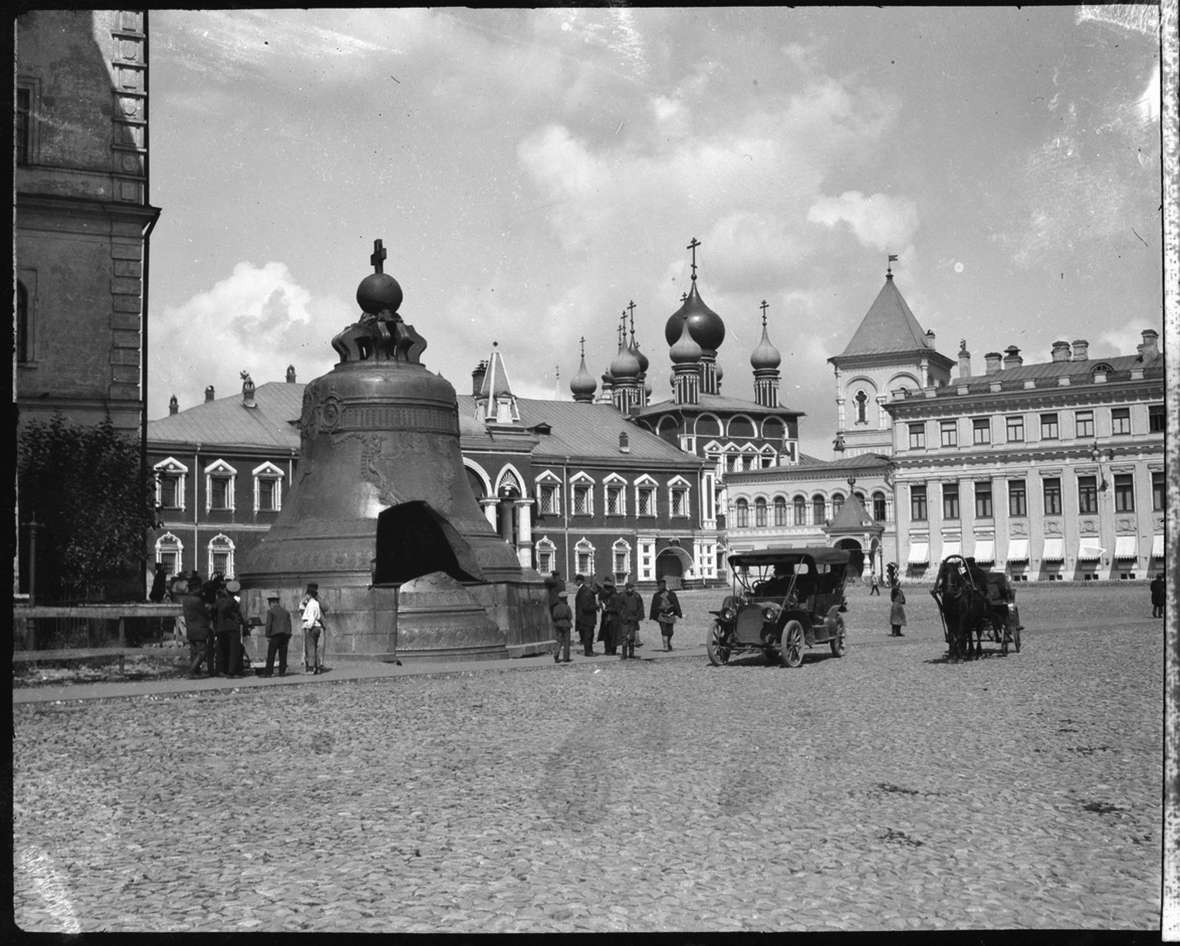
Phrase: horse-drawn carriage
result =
(975, 605)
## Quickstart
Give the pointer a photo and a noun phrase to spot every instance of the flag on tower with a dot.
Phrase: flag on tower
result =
(893, 257)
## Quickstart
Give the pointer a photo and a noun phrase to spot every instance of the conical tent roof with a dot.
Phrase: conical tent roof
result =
(888, 326)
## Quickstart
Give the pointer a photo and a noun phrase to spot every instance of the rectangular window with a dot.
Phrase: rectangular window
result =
(1084, 424)
(1157, 418)
(678, 496)
(1120, 421)
(620, 563)
(614, 499)
(585, 562)
(267, 489)
(949, 433)
(981, 430)
(950, 500)
(1015, 426)
(1049, 428)
(548, 496)
(1087, 495)
(170, 561)
(544, 561)
(1124, 493)
(1051, 490)
(917, 436)
(918, 503)
(1017, 498)
(983, 500)
(581, 499)
(219, 498)
(878, 508)
(646, 496)
(1157, 492)
(170, 493)
(221, 562)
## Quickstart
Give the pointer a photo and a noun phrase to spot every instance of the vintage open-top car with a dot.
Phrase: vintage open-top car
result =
(783, 600)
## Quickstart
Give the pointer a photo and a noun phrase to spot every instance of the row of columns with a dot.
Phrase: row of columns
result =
(512, 518)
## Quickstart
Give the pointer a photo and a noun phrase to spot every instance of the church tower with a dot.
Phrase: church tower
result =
(704, 325)
(887, 352)
(582, 386)
(765, 360)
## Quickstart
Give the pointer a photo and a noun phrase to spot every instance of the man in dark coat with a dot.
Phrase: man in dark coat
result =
(1157, 595)
(665, 609)
(585, 614)
(278, 635)
(608, 627)
(228, 626)
(630, 614)
(197, 629)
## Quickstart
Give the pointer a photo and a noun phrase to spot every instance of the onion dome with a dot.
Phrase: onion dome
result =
(583, 384)
(685, 350)
(765, 355)
(706, 326)
(644, 364)
(625, 365)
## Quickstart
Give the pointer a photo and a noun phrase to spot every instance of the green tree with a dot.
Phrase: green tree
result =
(89, 492)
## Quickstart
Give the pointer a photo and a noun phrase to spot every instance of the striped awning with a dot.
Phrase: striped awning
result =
(1053, 551)
(919, 554)
(1126, 547)
(1157, 546)
(952, 548)
(1018, 550)
(1089, 552)
(985, 550)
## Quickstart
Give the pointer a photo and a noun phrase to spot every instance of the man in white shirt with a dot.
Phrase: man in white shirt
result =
(313, 629)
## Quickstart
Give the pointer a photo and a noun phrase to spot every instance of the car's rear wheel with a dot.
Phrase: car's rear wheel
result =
(838, 642)
(715, 648)
(791, 652)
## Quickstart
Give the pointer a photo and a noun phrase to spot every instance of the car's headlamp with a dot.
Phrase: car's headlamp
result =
(770, 613)
(727, 615)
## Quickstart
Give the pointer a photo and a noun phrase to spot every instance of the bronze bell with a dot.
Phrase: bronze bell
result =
(381, 497)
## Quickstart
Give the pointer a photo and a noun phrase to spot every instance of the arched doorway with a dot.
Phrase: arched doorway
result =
(673, 564)
(856, 556)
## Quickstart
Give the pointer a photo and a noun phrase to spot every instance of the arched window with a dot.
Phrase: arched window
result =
(621, 559)
(800, 504)
(878, 506)
(780, 511)
(862, 401)
(760, 512)
(837, 504)
(741, 514)
(584, 557)
(221, 555)
(170, 553)
(818, 509)
(545, 556)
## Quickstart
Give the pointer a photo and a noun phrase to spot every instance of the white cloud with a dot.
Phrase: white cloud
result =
(258, 319)
(878, 221)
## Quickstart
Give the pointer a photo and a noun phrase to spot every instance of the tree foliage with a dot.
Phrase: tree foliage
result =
(92, 498)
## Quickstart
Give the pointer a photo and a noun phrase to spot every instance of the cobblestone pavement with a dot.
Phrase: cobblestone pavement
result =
(888, 789)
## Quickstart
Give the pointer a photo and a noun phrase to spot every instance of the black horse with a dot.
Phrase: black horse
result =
(961, 592)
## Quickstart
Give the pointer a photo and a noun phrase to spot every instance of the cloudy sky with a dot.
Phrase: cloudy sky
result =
(533, 171)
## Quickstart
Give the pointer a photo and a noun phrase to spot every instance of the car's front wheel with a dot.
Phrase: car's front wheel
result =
(791, 651)
(716, 648)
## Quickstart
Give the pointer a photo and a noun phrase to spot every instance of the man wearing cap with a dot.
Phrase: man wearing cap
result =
(665, 609)
(228, 624)
(585, 614)
(563, 617)
(278, 634)
(313, 629)
(630, 614)
(608, 627)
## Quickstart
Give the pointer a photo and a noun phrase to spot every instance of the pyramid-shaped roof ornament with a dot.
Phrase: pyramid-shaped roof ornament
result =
(853, 517)
(888, 326)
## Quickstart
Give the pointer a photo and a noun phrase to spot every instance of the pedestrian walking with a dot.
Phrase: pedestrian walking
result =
(278, 635)
(585, 614)
(897, 608)
(608, 628)
(563, 618)
(665, 609)
(312, 621)
(874, 585)
(198, 630)
(630, 614)
(1157, 595)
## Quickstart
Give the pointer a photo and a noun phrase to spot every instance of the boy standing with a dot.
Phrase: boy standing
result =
(563, 617)
(278, 635)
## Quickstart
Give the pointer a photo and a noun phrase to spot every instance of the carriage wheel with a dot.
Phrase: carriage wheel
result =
(718, 652)
(1016, 637)
(1006, 637)
(791, 651)
(838, 642)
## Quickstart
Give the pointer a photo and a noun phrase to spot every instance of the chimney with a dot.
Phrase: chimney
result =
(1080, 349)
(247, 390)
(477, 377)
(624, 442)
(173, 405)
(209, 393)
(964, 359)
(1150, 347)
(1012, 357)
(290, 374)
(1061, 351)
(930, 337)
(992, 361)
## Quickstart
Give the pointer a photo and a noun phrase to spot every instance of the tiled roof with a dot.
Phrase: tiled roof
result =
(576, 430)
(1048, 374)
(888, 326)
(226, 421)
(718, 402)
(810, 467)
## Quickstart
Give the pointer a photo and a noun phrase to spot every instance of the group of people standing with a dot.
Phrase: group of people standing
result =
(216, 628)
(616, 615)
